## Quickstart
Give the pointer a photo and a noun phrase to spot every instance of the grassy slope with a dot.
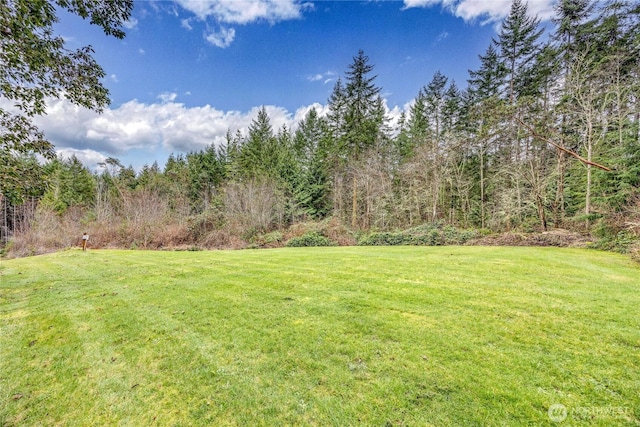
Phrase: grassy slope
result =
(326, 336)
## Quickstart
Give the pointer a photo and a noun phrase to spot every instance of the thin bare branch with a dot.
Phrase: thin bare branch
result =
(561, 148)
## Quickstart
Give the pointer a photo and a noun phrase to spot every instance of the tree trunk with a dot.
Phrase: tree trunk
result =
(434, 206)
(558, 208)
(354, 203)
(587, 206)
(481, 188)
(541, 214)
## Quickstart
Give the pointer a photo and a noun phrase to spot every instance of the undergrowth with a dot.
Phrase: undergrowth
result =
(435, 234)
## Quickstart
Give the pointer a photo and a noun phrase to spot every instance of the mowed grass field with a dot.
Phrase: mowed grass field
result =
(375, 336)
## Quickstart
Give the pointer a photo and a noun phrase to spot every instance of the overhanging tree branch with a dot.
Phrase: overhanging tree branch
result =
(560, 147)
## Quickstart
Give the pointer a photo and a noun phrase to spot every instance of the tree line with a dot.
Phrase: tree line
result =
(545, 134)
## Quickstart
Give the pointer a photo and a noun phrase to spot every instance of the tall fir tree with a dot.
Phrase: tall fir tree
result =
(489, 78)
(355, 118)
(434, 96)
(310, 146)
(361, 121)
(417, 125)
(337, 104)
(518, 42)
(256, 155)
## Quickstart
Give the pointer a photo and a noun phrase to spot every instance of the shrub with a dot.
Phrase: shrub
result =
(331, 228)
(207, 221)
(384, 239)
(309, 239)
(634, 250)
(621, 242)
(337, 232)
(221, 239)
(423, 235)
(273, 239)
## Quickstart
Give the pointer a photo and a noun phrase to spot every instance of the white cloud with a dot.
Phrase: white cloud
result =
(130, 24)
(487, 11)
(160, 127)
(167, 97)
(89, 158)
(443, 35)
(222, 38)
(186, 23)
(301, 112)
(136, 132)
(324, 77)
(239, 12)
(394, 115)
(244, 11)
(420, 3)
(141, 51)
(114, 78)
(542, 8)
(490, 11)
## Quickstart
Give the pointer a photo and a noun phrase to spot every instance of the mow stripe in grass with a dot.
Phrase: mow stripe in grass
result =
(321, 336)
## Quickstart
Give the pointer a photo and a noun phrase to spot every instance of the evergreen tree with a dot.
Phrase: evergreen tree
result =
(489, 78)
(451, 108)
(313, 152)
(176, 176)
(150, 178)
(362, 121)
(569, 34)
(206, 174)
(518, 42)
(569, 20)
(417, 125)
(229, 154)
(434, 96)
(484, 112)
(613, 59)
(309, 136)
(337, 104)
(257, 156)
(519, 46)
(402, 142)
(127, 178)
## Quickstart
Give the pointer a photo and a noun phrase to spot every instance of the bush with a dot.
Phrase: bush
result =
(273, 239)
(621, 242)
(384, 239)
(309, 239)
(634, 251)
(423, 235)
(207, 221)
(331, 228)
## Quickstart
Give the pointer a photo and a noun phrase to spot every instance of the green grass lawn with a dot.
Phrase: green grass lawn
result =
(377, 336)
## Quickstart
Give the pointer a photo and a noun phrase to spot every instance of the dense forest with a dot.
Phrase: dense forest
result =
(545, 135)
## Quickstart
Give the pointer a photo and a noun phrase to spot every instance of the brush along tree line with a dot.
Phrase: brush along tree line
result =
(545, 134)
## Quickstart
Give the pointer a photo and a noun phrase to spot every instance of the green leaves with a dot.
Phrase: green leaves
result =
(108, 14)
(353, 109)
(36, 65)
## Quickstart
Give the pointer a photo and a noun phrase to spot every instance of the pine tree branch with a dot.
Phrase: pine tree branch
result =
(561, 148)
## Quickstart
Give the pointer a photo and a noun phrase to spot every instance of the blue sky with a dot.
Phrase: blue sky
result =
(190, 70)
